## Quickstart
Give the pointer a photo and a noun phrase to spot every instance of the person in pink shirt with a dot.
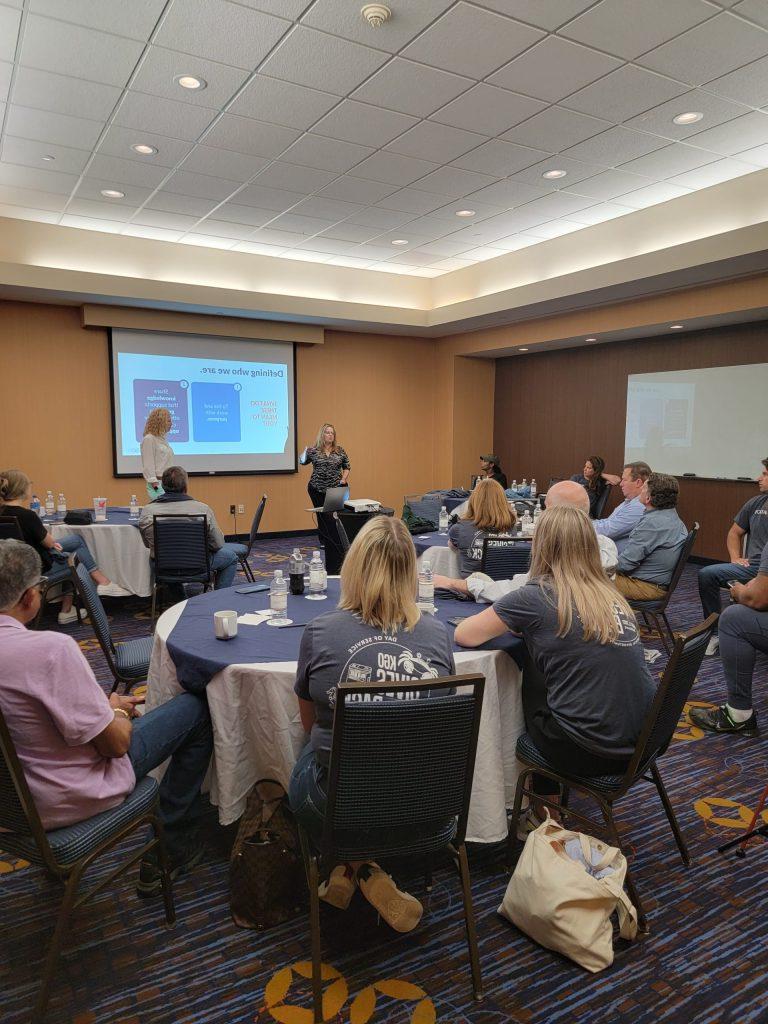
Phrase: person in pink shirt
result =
(83, 752)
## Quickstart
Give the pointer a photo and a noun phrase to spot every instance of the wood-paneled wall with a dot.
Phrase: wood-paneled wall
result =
(553, 410)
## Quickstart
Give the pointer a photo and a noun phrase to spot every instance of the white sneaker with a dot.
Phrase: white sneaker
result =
(713, 646)
(71, 616)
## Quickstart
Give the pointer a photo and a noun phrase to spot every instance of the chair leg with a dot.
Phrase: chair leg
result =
(154, 602)
(54, 949)
(469, 920)
(512, 832)
(610, 822)
(428, 880)
(671, 816)
(313, 880)
(669, 629)
(246, 568)
(165, 868)
(657, 625)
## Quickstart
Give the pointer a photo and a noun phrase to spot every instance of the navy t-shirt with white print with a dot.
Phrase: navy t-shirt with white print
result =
(468, 540)
(753, 518)
(339, 647)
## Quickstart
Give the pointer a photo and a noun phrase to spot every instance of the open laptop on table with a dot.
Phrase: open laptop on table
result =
(334, 500)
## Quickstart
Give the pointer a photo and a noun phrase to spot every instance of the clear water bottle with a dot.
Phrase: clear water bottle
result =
(426, 601)
(534, 488)
(61, 508)
(278, 600)
(35, 505)
(527, 522)
(443, 519)
(525, 482)
(513, 486)
(536, 515)
(133, 508)
(296, 572)
(50, 505)
(316, 578)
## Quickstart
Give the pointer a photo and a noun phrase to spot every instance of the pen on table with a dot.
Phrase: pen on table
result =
(293, 625)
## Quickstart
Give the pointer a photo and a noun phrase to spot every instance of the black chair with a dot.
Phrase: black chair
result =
(602, 501)
(657, 608)
(181, 553)
(244, 550)
(129, 660)
(655, 736)
(399, 784)
(425, 506)
(504, 557)
(10, 529)
(344, 540)
(66, 853)
(58, 574)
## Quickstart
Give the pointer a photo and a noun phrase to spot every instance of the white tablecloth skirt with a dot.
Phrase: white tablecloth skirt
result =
(119, 552)
(445, 561)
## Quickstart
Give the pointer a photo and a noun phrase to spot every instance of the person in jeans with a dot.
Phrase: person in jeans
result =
(752, 522)
(743, 632)
(649, 558)
(174, 501)
(488, 515)
(83, 753)
(625, 517)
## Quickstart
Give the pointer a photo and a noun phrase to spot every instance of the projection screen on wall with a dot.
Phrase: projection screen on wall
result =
(232, 400)
(711, 422)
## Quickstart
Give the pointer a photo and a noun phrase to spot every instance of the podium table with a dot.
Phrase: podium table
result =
(352, 522)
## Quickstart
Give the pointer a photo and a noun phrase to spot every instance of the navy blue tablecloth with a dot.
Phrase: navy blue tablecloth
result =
(198, 655)
(116, 516)
(423, 541)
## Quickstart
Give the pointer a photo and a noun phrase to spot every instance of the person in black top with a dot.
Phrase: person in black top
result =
(15, 495)
(330, 464)
(594, 480)
(491, 469)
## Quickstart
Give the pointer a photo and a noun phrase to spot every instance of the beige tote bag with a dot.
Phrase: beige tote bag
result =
(564, 905)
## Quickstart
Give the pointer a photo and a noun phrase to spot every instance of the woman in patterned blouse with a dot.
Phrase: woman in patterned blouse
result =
(330, 464)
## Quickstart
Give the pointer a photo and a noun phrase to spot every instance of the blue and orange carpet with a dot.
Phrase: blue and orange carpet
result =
(704, 961)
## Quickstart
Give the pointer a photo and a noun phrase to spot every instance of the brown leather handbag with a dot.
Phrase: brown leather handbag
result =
(267, 884)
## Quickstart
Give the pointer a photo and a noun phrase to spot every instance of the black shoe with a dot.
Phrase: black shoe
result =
(718, 720)
(150, 881)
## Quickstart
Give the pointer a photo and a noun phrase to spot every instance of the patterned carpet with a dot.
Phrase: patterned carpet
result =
(703, 962)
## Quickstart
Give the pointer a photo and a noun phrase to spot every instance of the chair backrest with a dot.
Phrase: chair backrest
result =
(504, 557)
(401, 766)
(181, 549)
(256, 522)
(20, 824)
(344, 540)
(602, 501)
(682, 558)
(424, 506)
(10, 528)
(86, 587)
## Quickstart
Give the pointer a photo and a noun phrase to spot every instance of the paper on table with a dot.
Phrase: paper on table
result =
(254, 618)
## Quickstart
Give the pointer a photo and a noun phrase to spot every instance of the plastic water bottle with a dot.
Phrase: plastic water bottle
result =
(443, 520)
(426, 601)
(527, 523)
(534, 488)
(525, 482)
(35, 506)
(50, 505)
(133, 508)
(514, 485)
(536, 515)
(296, 572)
(278, 600)
(316, 578)
(61, 508)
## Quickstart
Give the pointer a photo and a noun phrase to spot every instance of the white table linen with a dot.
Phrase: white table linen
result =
(119, 551)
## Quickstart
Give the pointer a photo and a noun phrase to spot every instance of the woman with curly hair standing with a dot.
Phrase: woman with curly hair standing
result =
(156, 453)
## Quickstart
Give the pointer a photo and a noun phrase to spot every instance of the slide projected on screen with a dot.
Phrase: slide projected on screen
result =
(231, 401)
(711, 422)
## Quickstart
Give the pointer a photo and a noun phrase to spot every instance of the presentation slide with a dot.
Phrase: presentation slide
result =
(710, 422)
(231, 400)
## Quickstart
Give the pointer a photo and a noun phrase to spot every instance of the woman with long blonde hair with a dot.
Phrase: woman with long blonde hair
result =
(376, 634)
(586, 713)
(488, 515)
(329, 461)
(156, 453)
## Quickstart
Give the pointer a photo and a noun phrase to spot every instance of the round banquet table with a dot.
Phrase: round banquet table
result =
(255, 712)
(119, 551)
(433, 547)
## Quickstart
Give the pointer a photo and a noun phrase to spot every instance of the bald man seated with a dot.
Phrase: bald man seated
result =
(486, 590)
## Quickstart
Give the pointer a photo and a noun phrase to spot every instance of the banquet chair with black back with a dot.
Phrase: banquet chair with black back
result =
(341, 532)
(602, 501)
(243, 551)
(399, 784)
(181, 553)
(10, 529)
(505, 557)
(656, 610)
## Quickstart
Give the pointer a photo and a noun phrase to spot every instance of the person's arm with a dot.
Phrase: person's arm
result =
(448, 583)
(149, 459)
(308, 455)
(753, 594)
(477, 629)
(639, 546)
(618, 524)
(307, 714)
(345, 468)
(611, 478)
(307, 711)
(215, 536)
(115, 740)
(734, 544)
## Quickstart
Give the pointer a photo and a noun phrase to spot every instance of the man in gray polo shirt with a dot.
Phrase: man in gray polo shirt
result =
(647, 562)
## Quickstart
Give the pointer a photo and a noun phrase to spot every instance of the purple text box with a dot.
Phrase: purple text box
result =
(162, 394)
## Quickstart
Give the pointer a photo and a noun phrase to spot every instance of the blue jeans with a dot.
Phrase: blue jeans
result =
(72, 544)
(307, 793)
(713, 577)
(181, 730)
(224, 563)
(743, 632)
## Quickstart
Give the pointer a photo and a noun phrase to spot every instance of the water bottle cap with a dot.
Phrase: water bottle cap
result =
(278, 574)
(426, 564)
(316, 554)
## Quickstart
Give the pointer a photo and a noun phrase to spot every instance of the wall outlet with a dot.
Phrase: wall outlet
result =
(241, 510)
(231, 510)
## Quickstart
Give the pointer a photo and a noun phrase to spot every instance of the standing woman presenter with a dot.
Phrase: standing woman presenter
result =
(156, 453)
(330, 464)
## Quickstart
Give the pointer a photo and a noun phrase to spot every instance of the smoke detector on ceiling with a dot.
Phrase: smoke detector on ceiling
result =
(376, 14)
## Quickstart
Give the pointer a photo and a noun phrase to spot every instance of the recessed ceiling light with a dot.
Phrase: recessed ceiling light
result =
(554, 174)
(48, 157)
(465, 213)
(190, 82)
(590, 339)
(676, 327)
(112, 193)
(522, 350)
(144, 149)
(400, 241)
(689, 117)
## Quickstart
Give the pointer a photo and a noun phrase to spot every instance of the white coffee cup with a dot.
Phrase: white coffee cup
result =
(225, 625)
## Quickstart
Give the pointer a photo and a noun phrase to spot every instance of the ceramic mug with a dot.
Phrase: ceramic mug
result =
(225, 625)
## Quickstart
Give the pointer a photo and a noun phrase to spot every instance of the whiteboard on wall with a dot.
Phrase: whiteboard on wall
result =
(712, 422)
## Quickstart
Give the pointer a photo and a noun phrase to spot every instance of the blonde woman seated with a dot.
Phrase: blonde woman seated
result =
(377, 615)
(488, 515)
(586, 714)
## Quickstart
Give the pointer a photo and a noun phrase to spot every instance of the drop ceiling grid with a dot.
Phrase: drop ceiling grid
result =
(595, 146)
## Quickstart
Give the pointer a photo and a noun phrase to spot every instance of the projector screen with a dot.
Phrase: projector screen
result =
(712, 423)
(232, 401)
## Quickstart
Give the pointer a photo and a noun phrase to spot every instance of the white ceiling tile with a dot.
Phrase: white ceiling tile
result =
(135, 19)
(341, 18)
(161, 116)
(356, 190)
(454, 181)
(554, 68)
(624, 93)
(327, 154)
(270, 99)
(32, 198)
(349, 261)
(90, 188)
(755, 10)
(259, 248)
(734, 136)
(9, 32)
(31, 153)
(448, 213)
(223, 228)
(382, 219)
(363, 124)
(332, 246)
(26, 213)
(412, 200)
(236, 213)
(616, 146)
(117, 141)
(415, 258)
(48, 127)
(438, 142)
(499, 158)
(555, 129)
(221, 31)
(169, 202)
(671, 160)
(160, 219)
(306, 257)
(136, 230)
(515, 242)
(488, 110)
(97, 223)
(393, 168)
(100, 210)
(560, 204)
(283, 8)
(271, 237)
(372, 252)
(555, 229)
(348, 232)
(327, 209)
(507, 193)
(713, 174)
(450, 246)
(59, 47)
(23, 176)
(482, 253)
(245, 135)
(223, 163)
(709, 50)
(411, 88)
(73, 96)
(208, 241)
(420, 230)
(160, 67)
(609, 184)
(128, 172)
(617, 26)
(451, 263)
(757, 156)
(344, 65)
(267, 198)
(5, 79)
(600, 213)
(549, 14)
(300, 225)
(202, 186)
(294, 178)
(715, 111)
(469, 41)
(746, 85)
(575, 171)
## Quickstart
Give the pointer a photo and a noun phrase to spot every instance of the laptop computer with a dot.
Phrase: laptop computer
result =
(334, 500)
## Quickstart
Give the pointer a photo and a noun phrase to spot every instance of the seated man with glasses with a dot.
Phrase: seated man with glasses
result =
(82, 752)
